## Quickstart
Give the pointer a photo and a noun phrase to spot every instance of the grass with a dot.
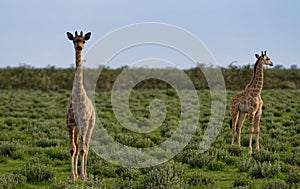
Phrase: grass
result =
(33, 131)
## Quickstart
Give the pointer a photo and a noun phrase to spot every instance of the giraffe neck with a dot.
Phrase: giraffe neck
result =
(256, 84)
(78, 89)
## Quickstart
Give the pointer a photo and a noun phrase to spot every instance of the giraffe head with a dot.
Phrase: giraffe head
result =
(79, 40)
(264, 58)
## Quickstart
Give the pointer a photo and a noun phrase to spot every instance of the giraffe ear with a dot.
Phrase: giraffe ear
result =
(257, 56)
(70, 36)
(87, 36)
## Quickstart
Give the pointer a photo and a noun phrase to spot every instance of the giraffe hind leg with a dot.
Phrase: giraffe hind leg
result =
(239, 126)
(234, 118)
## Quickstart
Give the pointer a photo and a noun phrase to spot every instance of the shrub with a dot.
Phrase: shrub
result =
(222, 154)
(234, 150)
(89, 184)
(12, 180)
(126, 184)
(242, 182)
(19, 154)
(186, 155)
(46, 142)
(7, 149)
(199, 179)
(264, 155)
(171, 92)
(168, 175)
(265, 170)
(200, 160)
(102, 170)
(275, 184)
(230, 160)
(294, 157)
(293, 177)
(127, 174)
(295, 186)
(57, 153)
(216, 165)
(245, 164)
(36, 172)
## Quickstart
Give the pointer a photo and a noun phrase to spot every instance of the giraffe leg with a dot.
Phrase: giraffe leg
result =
(73, 149)
(234, 118)
(239, 127)
(251, 130)
(83, 152)
(76, 154)
(257, 128)
(88, 138)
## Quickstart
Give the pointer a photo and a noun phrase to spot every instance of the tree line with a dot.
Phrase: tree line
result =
(51, 78)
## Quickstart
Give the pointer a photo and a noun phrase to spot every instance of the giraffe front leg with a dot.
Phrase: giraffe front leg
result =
(76, 155)
(257, 127)
(73, 153)
(251, 130)
(83, 153)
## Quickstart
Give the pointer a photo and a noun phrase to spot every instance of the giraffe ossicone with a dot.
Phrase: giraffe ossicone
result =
(80, 115)
(249, 102)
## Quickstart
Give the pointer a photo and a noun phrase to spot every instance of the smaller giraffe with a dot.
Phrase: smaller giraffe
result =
(80, 116)
(249, 102)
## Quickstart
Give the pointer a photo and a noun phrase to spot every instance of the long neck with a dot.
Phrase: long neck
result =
(78, 88)
(256, 83)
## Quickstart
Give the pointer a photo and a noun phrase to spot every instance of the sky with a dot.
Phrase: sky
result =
(33, 32)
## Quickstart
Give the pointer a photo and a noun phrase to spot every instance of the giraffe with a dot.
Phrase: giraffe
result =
(249, 102)
(80, 115)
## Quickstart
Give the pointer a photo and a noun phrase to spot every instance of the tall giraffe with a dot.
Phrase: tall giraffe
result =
(249, 102)
(80, 115)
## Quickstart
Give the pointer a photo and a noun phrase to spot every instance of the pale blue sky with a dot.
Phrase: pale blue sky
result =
(33, 31)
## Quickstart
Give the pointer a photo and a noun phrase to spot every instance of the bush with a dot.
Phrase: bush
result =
(168, 175)
(89, 184)
(127, 174)
(234, 150)
(264, 155)
(7, 149)
(294, 157)
(36, 172)
(245, 164)
(126, 184)
(265, 170)
(275, 184)
(186, 155)
(12, 180)
(200, 160)
(242, 182)
(57, 153)
(293, 177)
(199, 179)
(46, 142)
(216, 165)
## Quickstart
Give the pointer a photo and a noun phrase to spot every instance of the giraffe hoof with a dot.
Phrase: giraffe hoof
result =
(83, 177)
(73, 177)
(250, 150)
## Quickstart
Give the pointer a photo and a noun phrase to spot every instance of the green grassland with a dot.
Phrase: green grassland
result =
(34, 144)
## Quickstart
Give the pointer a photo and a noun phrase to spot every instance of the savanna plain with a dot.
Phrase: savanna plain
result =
(34, 143)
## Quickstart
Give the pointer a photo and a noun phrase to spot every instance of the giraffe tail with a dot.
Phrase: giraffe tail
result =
(230, 123)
